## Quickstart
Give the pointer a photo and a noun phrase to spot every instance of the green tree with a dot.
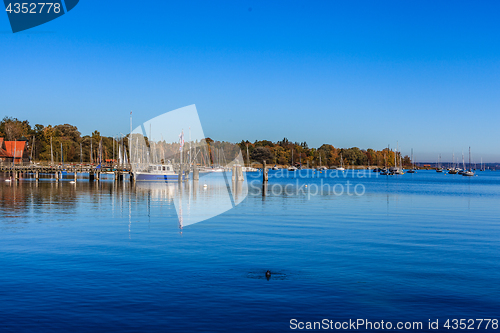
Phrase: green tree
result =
(260, 154)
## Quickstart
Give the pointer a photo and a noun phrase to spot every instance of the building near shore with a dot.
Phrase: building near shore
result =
(12, 151)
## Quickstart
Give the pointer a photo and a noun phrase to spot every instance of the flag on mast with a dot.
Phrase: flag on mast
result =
(181, 140)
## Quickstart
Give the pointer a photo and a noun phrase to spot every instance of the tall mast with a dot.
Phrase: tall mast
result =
(130, 137)
(469, 160)
(412, 163)
(180, 144)
(396, 153)
(31, 157)
(51, 152)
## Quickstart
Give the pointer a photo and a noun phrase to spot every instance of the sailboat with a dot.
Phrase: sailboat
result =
(439, 168)
(412, 170)
(453, 170)
(341, 168)
(461, 171)
(321, 167)
(275, 167)
(292, 167)
(468, 173)
(396, 169)
(385, 171)
(151, 170)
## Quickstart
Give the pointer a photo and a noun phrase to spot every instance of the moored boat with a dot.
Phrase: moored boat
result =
(341, 168)
(160, 172)
(469, 172)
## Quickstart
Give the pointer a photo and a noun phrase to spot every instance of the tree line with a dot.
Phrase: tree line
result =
(327, 155)
(78, 148)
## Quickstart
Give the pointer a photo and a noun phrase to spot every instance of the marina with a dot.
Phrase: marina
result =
(242, 167)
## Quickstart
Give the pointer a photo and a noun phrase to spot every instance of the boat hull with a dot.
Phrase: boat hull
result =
(151, 177)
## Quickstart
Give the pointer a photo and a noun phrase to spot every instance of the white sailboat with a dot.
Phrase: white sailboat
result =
(469, 172)
(396, 169)
(321, 167)
(439, 168)
(341, 168)
(453, 170)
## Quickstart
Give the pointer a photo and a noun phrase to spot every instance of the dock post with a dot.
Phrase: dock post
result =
(97, 174)
(131, 177)
(196, 174)
(264, 173)
(233, 173)
(37, 176)
(239, 173)
(91, 176)
(57, 176)
(16, 175)
(75, 176)
(180, 175)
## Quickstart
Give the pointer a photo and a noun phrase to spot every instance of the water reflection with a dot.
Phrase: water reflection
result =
(28, 200)
(18, 197)
(197, 201)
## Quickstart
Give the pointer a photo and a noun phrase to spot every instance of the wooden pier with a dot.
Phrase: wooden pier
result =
(56, 172)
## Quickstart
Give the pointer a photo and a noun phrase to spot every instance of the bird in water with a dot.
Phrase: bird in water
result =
(268, 275)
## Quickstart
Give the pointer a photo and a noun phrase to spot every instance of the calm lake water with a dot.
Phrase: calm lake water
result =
(106, 256)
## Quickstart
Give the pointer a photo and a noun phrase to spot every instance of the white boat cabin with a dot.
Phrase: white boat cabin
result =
(160, 168)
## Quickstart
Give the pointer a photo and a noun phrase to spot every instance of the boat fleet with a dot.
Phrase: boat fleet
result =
(170, 172)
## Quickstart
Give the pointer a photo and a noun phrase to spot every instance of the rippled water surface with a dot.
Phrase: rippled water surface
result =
(109, 256)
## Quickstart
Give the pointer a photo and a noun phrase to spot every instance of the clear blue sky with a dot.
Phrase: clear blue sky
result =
(351, 73)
